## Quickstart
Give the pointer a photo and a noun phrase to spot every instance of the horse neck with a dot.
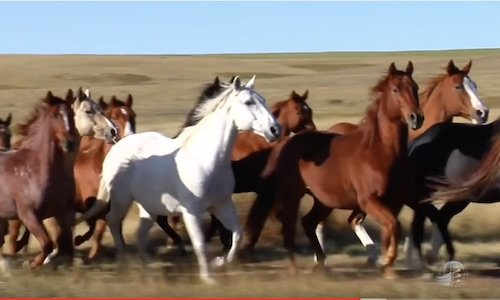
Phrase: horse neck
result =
(285, 128)
(92, 146)
(434, 112)
(387, 131)
(210, 141)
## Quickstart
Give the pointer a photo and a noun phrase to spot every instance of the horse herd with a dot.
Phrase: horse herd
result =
(80, 155)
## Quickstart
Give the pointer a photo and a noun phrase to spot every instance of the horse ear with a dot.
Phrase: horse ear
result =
(236, 83)
(232, 79)
(87, 93)
(81, 95)
(114, 101)
(8, 120)
(130, 101)
(409, 68)
(250, 83)
(69, 97)
(216, 81)
(49, 95)
(102, 103)
(451, 68)
(294, 95)
(466, 69)
(392, 69)
(304, 96)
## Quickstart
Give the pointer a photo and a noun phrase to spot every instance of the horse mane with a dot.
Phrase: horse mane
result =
(210, 97)
(424, 96)
(40, 108)
(369, 122)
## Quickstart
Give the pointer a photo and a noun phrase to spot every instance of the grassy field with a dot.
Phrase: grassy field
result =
(165, 88)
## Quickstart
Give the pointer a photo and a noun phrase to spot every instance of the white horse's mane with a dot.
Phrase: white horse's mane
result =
(210, 105)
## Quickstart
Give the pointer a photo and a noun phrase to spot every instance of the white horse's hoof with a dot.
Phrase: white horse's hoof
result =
(208, 280)
(218, 262)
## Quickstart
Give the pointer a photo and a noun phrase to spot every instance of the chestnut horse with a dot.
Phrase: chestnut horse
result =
(88, 167)
(355, 171)
(5, 133)
(447, 96)
(30, 174)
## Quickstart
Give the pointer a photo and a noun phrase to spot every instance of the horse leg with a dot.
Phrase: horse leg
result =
(384, 216)
(226, 213)
(14, 228)
(162, 221)
(257, 216)
(310, 221)
(65, 221)
(36, 227)
(356, 221)
(145, 224)
(114, 218)
(23, 242)
(100, 228)
(80, 239)
(224, 234)
(193, 227)
(4, 265)
(446, 213)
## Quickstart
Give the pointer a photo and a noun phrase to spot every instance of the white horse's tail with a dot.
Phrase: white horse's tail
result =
(101, 203)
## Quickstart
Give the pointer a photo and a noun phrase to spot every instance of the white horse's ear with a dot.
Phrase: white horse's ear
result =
(87, 93)
(237, 83)
(250, 83)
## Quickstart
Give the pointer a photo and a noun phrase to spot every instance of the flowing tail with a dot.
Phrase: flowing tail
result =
(101, 203)
(479, 185)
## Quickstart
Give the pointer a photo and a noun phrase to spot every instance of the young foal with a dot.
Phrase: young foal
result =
(31, 172)
(353, 171)
(5, 133)
(190, 174)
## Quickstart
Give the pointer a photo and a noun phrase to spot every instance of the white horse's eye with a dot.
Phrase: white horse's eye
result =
(249, 102)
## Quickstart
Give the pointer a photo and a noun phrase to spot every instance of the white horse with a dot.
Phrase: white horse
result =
(189, 174)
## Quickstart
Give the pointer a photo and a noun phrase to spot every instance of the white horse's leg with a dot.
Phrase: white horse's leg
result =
(412, 259)
(4, 264)
(365, 239)
(117, 213)
(227, 215)
(145, 224)
(193, 227)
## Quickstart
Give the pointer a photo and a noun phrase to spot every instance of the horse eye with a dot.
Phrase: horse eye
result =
(249, 102)
(458, 87)
(88, 112)
(395, 90)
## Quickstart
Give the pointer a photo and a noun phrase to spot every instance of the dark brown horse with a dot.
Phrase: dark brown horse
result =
(483, 186)
(357, 171)
(5, 133)
(30, 174)
(249, 158)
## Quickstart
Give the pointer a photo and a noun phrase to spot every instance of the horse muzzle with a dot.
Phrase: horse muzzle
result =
(481, 116)
(416, 120)
(273, 133)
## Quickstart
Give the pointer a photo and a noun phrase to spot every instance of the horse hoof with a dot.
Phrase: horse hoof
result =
(371, 263)
(208, 280)
(390, 274)
(320, 269)
(218, 262)
(430, 259)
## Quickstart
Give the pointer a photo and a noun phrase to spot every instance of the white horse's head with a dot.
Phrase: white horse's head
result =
(250, 112)
(90, 120)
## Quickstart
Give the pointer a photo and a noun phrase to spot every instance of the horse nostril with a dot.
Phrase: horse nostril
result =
(274, 130)
(413, 117)
(480, 112)
(113, 132)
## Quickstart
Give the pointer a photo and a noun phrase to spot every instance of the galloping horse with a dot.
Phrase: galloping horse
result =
(190, 174)
(89, 121)
(249, 158)
(355, 171)
(31, 173)
(449, 95)
(5, 133)
(451, 151)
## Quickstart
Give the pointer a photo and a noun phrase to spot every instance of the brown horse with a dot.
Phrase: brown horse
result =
(355, 171)
(5, 133)
(444, 99)
(31, 173)
(89, 121)
(249, 158)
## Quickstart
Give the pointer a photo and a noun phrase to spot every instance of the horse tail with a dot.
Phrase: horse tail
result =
(100, 205)
(482, 181)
